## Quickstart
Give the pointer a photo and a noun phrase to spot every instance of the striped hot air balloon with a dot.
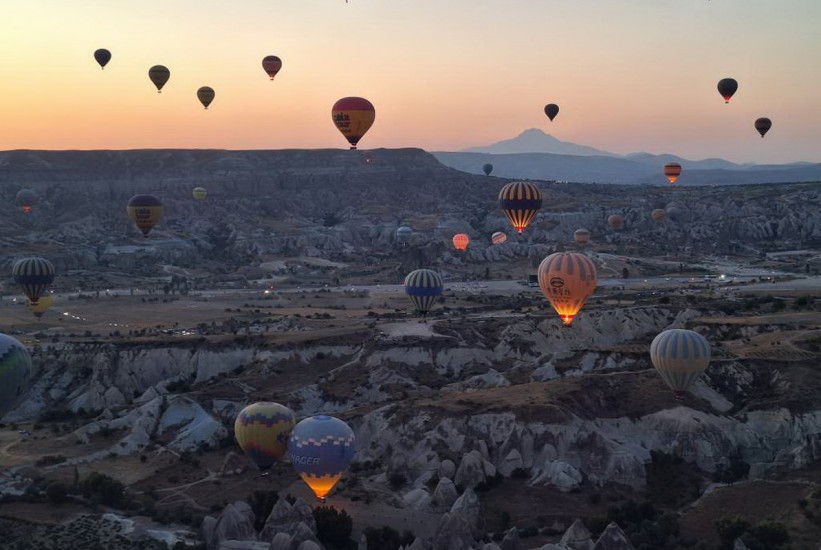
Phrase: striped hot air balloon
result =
(461, 241)
(200, 193)
(520, 202)
(262, 431)
(498, 238)
(672, 171)
(321, 448)
(353, 117)
(581, 236)
(680, 356)
(34, 275)
(567, 279)
(145, 211)
(423, 287)
(615, 221)
(658, 214)
(15, 373)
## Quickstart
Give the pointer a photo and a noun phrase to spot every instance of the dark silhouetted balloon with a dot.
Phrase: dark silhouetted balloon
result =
(159, 75)
(727, 87)
(102, 56)
(551, 110)
(145, 211)
(353, 116)
(272, 65)
(26, 198)
(15, 373)
(34, 275)
(672, 171)
(520, 202)
(487, 168)
(763, 125)
(205, 95)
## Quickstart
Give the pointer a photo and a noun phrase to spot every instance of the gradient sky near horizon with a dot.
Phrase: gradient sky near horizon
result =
(629, 75)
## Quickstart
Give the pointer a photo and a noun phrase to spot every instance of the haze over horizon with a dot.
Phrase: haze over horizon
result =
(639, 76)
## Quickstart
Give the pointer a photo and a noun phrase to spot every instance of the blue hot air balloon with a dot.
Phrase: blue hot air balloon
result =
(403, 234)
(321, 448)
(423, 287)
(15, 372)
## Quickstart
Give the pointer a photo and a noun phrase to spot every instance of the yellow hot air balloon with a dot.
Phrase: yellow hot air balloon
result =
(353, 116)
(200, 193)
(145, 211)
(567, 279)
(262, 431)
(42, 305)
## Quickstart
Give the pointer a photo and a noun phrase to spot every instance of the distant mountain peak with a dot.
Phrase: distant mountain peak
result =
(535, 140)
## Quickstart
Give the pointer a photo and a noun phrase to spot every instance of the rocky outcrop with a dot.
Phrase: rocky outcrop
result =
(235, 523)
(459, 527)
(613, 538)
(295, 520)
(577, 537)
(473, 470)
(558, 474)
(444, 495)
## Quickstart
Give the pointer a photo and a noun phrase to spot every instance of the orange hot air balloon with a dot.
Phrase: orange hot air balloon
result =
(353, 117)
(658, 214)
(461, 241)
(672, 171)
(272, 65)
(567, 279)
(615, 221)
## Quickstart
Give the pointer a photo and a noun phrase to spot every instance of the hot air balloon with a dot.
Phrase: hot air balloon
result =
(727, 87)
(581, 236)
(487, 169)
(321, 448)
(403, 234)
(567, 279)
(551, 110)
(145, 211)
(498, 238)
(423, 287)
(615, 221)
(680, 356)
(102, 56)
(26, 199)
(15, 373)
(658, 214)
(206, 95)
(672, 171)
(41, 306)
(262, 431)
(763, 125)
(200, 193)
(159, 75)
(521, 202)
(34, 275)
(353, 117)
(272, 65)
(674, 213)
(461, 241)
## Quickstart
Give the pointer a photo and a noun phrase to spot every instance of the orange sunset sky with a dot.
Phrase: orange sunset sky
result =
(629, 75)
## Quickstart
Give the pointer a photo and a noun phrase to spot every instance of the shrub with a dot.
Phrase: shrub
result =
(332, 526)
(57, 493)
(262, 502)
(387, 538)
(103, 489)
(730, 528)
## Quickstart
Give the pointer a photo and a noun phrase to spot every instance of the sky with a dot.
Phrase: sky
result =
(628, 75)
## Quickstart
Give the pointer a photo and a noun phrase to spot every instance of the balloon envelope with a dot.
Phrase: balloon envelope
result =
(321, 448)
(423, 287)
(581, 236)
(262, 431)
(567, 279)
(763, 125)
(353, 117)
(672, 171)
(145, 211)
(498, 238)
(487, 169)
(461, 241)
(403, 234)
(102, 56)
(200, 193)
(15, 373)
(520, 202)
(551, 110)
(159, 75)
(727, 88)
(615, 221)
(205, 95)
(658, 214)
(34, 275)
(680, 356)
(272, 65)
(26, 199)
(41, 306)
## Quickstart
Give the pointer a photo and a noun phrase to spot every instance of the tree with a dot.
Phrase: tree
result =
(730, 528)
(332, 526)
(57, 493)
(262, 502)
(387, 538)
(625, 273)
